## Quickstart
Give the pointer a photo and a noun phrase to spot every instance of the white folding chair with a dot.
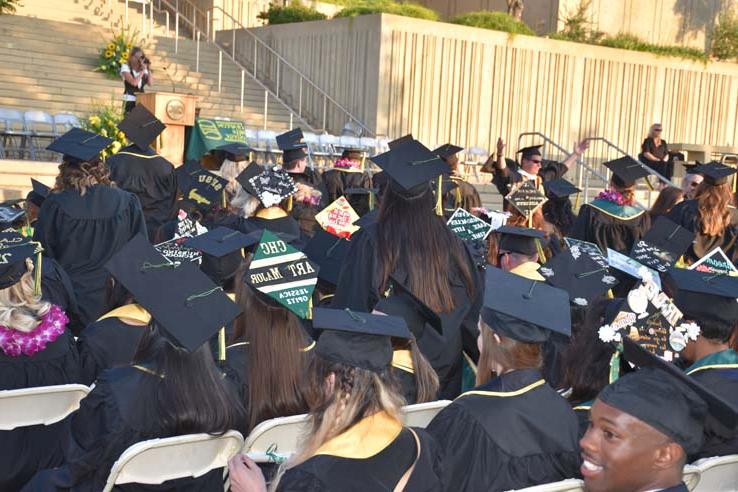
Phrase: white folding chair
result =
(158, 460)
(691, 476)
(420, 414)
(275, 439)
(13, 128)
(41, 405)
(63, 122)
(718, 474)
(41, 126)
(568, 485)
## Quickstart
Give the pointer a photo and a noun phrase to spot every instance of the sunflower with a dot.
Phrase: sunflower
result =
(111, 46)
(109, 54)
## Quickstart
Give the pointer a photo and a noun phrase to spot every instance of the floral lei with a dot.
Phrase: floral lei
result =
(612, 196)
(346, 164)
(15, 343)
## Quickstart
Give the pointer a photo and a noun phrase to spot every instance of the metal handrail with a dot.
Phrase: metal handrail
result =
(562, 150)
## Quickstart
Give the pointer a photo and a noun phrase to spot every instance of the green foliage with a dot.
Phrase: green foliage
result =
(295, 12)
(634, 43)
(366, 7)
(496, 21)
(9, 6)
(104, 120)
(725, 37)
(577, 26)
(115, 53)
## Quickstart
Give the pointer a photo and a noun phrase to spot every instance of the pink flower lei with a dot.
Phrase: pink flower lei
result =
(15, 343)
(612, 196)
(346, 164)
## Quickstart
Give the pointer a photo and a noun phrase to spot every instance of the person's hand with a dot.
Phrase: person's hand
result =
(500, 146)
(581, 147)
(245, 475)
(666, 158)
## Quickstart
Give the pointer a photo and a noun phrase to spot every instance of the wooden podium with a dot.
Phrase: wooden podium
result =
(176, 111)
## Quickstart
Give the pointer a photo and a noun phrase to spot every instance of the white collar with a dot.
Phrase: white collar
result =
(526, 174)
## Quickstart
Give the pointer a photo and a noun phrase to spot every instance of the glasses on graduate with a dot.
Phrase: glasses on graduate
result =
(535, 162)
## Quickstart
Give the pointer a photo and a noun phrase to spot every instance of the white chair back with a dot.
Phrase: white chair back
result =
(275, 439)
(568, 485)
(420, 414)
(41, 405)
(157, 460)
(691, 476)
(718, 474)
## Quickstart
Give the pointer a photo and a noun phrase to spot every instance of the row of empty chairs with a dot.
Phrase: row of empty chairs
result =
(28, 133)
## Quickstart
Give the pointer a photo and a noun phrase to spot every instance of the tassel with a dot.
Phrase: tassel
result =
(541, 253)
(457, 198)
(439, 197)
(289, 204)
(222, 345)
(37, 276)
(309, 314)
(371, 201)
(615, 365)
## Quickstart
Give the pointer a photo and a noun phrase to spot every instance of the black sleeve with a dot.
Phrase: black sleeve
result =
(297, 480)
(582, 226)
(470, 324)
(355, 288)
(647, 146)
(43, 231)
(138, 222)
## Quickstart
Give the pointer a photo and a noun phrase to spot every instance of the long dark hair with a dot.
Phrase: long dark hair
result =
(411, 237)
(668, 197)
(559, 212)
(192, 396)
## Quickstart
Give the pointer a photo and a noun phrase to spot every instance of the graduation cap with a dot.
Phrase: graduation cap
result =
(357, 339)
(235, 152)
(338, 218)
(141, 127)
(716, 173)
(187, 305)
(716, 261)
(205, 189)
(522, 309)
(328, 252)
(702, 296)
(580, 276)
(526, 197)
(399, 141)
(244, 177)
(38, 193)
(270, 186)
(692, 167)
(14, 249)
(662, 245)
(626, 171)
(528, 152)
(283, 273)
(447, 150)
(78, 145)
(405, 304)
(291, 144)
(370, 192)
(665, 398)
(222, 251)
(560, 188)
(468, 227)
(520, 240)
(8, 215)
(411, 166)
(368, 218)
(184, 174)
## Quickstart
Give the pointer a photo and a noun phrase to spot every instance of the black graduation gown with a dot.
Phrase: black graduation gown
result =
(550, 171)
(110, 419)
(151, 178)
(381, 471)
(56, 287)
(305, 214)
(286, 225)
(82, 232)
(464, 195)
(337, 181)
(25, 450)
(510, 433)
(686, 215)
(358, 289)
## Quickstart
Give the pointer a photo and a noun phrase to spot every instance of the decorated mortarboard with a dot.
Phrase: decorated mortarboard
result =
(626, 264)
(291, 144)
(522, 309)
(447, 150)
(704, 296)
(222, 251)
(662, 245)
(173, 251)
(14, 202)
(411, 166)
(716, 261)
(187, 305)
(185, 172)
(368, 219)
(205, 189)
(526, 197)
(245, 176)
(404, 303)
(716, 173)
(579, 275)
(328, 252)
(79, 145)
(494, 218)
(357, 339)
(270, 186)
(8, 215)
(399, 141)
(283, 273)
(627, 170)
(14, 250)
(38, 193)
(467, 226)
(593, 251)
(560, 188)
(528, 152)
(520, 240)
(141, 127)
(338, 218)
(235, 152)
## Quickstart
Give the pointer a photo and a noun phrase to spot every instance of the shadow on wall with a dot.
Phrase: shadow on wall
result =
(697, 16)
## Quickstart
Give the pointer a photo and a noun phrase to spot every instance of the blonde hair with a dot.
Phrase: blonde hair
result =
(229, 171)
(20, 309)
(80, 176)
(509, 354)
(712, 206)
(244, 204)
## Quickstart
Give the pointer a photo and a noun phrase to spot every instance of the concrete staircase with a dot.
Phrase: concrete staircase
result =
(50, 48)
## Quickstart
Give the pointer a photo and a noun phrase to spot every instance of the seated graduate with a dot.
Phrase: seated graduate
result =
(517, 251)
(36, 349)
(557, 211)
(235, 160)
(513, 430)
(85, 220)
(141, 171)
(463, 195)
(32, 204)
(645, 424)
(269, 350)
(348, 174)
(414, 245)
(328, 252)
(356, 439)
(710, 302)
(711, 214)
(172, 388)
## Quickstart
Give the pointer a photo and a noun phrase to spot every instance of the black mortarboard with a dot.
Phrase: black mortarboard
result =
(447, 150)
(663, 397)
(519, 240)
(361, 340)
(329, 252)
(411, 166)
(14, 249)
(244, 177)
(399, 141)
(626, 171)
(8, 215)
(78, 145)
(692, 167)
(270, 186)
(368, 218)
(235, 152)
(522, 309)
(14, 202)
(222, 251)
(560, 188)
(716, 173)
(188, 306)
(141, 127)
(581, 277)
(184, 174)
(405, 304)
(669, 236)
(291, 144)
(705, 296)
(526, 197)
(205, 189)
(39, 193)
(528, 152)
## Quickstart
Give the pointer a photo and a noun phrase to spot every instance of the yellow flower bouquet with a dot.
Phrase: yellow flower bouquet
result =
(104, 121)
(115, 52)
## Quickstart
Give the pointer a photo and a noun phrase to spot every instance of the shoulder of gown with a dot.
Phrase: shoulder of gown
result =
(356, 287)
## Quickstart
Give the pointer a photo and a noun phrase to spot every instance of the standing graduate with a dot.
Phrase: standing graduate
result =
(513, 430)
(356, 440)
(412, 244)
(141, 171)
(463, 195)
(172, 388)
(711, 215)
(347, 174)
(85, 220)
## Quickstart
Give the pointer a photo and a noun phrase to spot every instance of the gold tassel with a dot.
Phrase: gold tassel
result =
(37, 276)
(439, 197)
(457, 197)
(309, 314)
(371, 200)
(541, 254)
(610, 295)
(222, 345)
(289, 204)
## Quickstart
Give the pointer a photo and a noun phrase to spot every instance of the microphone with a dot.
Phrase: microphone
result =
(171, 80)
